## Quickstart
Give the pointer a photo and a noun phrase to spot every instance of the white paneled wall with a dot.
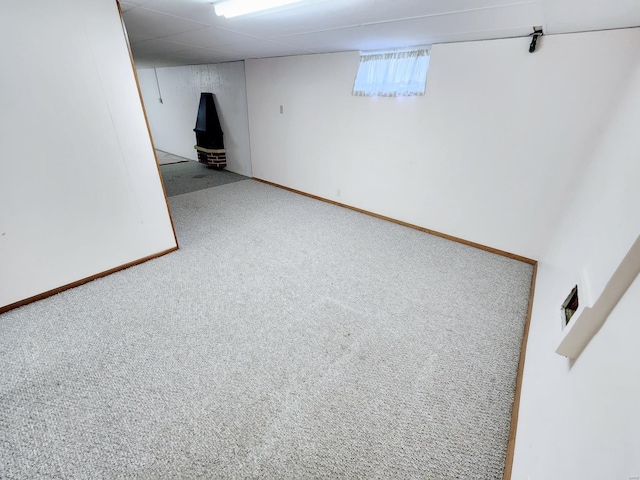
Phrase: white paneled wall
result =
(173, 120)
(490, 153)
(80, 191)
(581, 419)
(533, 154)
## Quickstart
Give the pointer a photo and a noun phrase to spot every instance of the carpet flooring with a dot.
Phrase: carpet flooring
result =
(191, 176)
(287, 338)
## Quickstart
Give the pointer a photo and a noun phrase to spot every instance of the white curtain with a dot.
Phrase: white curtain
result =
(392, 74)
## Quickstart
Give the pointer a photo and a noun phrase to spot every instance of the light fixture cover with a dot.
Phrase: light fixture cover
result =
(234, 8)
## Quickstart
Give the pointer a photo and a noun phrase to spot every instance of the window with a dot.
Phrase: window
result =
(392, 73)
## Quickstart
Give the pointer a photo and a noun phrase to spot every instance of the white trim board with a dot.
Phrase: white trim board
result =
(589, 318)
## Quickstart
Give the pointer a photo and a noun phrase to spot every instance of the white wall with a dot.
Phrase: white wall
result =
(582, 420)
(488, 154)
(172, 122)
(79, 192)
(534, 154)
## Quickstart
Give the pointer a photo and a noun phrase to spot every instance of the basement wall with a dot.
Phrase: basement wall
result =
(490, 153)
(80, 191)
(533, 154)
(581, 419)
(173, 120)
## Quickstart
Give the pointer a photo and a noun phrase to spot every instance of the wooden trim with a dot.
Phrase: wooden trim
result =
(405, 224)
(511, 446)
(55, 291)
(146, 119)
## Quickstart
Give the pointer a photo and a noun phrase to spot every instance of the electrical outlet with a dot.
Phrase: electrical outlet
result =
(281, 109)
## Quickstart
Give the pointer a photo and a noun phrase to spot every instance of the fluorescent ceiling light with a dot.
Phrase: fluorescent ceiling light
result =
(234, 8)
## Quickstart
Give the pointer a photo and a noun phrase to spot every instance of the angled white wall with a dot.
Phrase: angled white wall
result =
(581, 419)
(80, 193)
(488, 154)
(173, 120)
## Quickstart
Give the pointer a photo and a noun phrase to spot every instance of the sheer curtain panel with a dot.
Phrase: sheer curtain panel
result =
(392, 73)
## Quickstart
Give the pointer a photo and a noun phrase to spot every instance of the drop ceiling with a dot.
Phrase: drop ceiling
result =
(188, 32)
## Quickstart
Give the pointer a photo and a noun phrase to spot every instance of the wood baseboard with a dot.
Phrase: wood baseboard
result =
(511, 446)
(516, 403)
(405, 224)
(523, 350)
(55, 291)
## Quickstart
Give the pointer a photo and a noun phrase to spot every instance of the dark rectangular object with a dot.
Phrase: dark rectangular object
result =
(208, 129)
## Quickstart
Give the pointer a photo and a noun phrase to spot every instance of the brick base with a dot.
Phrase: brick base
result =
(212, 158)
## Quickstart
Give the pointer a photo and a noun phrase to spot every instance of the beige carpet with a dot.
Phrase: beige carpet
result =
(287, 338)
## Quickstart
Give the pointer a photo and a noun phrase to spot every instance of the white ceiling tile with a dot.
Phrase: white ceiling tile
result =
(564, 17)
(327, 15)
(158, 61)
(294, 19)
(421, 30)
(264, 49)
(136, 38)
(135, 3)
(155, 47)
(363, 14)
(567, 11)
(126, 6)
(338, 25)
(209, 37)
(256, 48)
(205, 55)
(140, 21)
(200, 11)
(483, 35)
